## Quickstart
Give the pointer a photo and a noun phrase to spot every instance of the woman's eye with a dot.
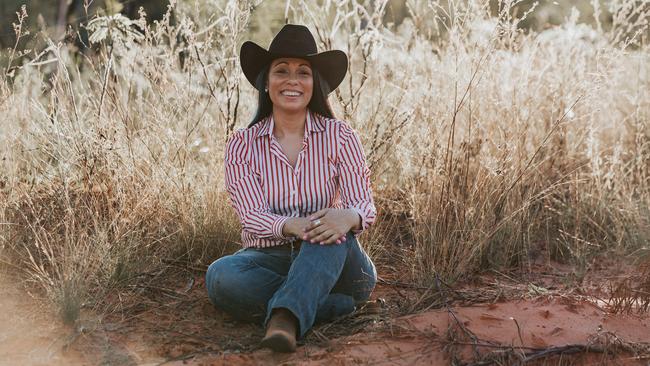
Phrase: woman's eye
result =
(281, 71)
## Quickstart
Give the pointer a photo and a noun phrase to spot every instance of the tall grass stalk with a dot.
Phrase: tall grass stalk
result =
(490, 146)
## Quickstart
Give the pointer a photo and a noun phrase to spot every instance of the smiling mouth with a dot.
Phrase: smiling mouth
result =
(290, 93)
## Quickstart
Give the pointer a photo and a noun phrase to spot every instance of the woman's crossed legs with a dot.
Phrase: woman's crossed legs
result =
(321, 282)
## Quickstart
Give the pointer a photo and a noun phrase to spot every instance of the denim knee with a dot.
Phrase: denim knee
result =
(236, 285)
(220, 281)
(210, 280)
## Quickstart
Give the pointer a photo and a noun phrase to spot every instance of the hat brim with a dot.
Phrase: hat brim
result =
(332, 65)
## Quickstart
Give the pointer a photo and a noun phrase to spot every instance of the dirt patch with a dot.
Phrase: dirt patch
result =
(499, 319)
(30, 334)
(525, 326)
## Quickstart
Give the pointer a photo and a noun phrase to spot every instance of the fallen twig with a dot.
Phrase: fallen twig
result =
(187, 356)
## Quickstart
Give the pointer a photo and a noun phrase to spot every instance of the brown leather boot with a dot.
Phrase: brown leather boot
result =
(281, 332)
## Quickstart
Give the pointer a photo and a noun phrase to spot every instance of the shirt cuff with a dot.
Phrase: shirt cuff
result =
(277, 228)
(364, 220)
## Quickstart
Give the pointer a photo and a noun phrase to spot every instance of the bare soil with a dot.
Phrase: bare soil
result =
(30, 334)
(548, 315)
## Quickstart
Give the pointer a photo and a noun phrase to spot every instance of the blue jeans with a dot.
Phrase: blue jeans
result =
(316, 283)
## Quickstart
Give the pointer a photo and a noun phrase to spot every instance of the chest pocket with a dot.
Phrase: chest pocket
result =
(331, 178)
(332, 169)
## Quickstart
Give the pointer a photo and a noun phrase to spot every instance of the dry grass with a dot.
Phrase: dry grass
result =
(488, 145)
(632, 294)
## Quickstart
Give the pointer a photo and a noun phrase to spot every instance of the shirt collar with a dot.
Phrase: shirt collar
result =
(314, 124)
(266, 126)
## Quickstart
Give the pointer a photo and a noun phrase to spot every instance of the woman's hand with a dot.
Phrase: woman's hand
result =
(296, 226)
(330, 225)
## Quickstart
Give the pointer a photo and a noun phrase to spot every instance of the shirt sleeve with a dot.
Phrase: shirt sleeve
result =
(356, 193)
(245, 192)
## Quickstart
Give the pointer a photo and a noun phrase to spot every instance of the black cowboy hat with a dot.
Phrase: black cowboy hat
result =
(294, 41)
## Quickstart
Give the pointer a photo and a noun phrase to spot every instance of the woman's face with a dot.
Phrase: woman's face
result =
(290, 84)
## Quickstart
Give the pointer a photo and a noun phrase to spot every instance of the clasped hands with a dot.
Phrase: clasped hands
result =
(327, 226)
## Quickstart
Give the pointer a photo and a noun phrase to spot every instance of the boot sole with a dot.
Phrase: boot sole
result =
(279, 343)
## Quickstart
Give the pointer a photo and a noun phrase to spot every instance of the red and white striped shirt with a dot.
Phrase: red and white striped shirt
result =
(266, 190)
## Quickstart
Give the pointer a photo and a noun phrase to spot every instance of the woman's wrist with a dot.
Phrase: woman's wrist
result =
(294, 226)
(287, 228)
(355, 219)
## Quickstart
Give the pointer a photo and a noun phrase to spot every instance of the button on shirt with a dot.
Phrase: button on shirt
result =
(266, 190)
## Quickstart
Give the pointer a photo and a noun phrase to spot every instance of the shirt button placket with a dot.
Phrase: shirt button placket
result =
(294, 189)
(296, 180)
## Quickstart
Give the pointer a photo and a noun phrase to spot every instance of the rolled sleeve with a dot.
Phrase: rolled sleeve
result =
(356, 193)
(278, 224)
(246, 194)
(367, 218)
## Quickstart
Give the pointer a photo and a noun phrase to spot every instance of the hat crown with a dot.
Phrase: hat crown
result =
(294, 40)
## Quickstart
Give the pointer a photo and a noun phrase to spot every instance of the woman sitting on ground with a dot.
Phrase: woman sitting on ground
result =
(298, 180)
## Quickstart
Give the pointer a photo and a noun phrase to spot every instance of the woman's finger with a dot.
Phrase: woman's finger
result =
(316, 223)
(322, 236)
(313, 224)
(318, 214)
(325, 235)
(330, 240)
(319, 225)
(315, 231)
(334, 239)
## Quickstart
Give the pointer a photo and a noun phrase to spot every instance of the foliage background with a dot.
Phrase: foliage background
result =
(498, 133)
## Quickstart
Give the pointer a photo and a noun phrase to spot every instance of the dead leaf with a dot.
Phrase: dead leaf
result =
(486, 316)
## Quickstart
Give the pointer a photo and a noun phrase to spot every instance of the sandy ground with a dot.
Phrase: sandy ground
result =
(30, 334)
(499, 318)
(420, 339)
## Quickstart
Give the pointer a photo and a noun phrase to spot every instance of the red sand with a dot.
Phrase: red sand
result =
(28, 334)
(191, 330)
(419, 339)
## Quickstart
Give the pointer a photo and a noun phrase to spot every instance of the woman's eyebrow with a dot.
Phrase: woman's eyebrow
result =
(286, 63)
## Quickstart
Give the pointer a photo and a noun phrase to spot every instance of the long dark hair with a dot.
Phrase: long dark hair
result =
(317, 104)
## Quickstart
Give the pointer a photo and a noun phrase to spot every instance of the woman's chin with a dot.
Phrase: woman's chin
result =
(289, 108)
